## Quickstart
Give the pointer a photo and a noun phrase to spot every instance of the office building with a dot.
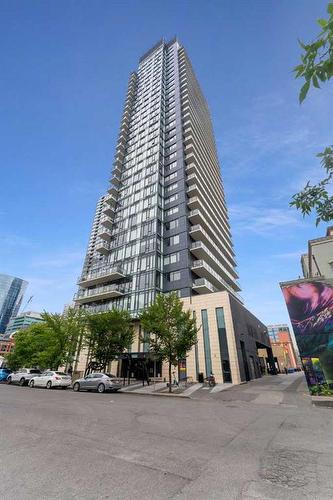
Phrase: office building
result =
(163, 224)
(11, 294)
(318, 262)
(23, 320)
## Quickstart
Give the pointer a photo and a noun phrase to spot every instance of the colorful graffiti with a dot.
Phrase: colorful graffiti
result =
(310, 307)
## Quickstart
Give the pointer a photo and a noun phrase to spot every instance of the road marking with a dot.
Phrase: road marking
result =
(191, 389)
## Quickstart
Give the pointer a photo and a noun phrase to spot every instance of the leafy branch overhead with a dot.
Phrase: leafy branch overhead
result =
(317, 60)
(316, 197)
(317, 67)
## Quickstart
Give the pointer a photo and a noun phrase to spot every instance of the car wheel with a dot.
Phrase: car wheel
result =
(9, 380)
(32, 384)
(101, 388)
(49, 385)
(76, 387)
(22, 381)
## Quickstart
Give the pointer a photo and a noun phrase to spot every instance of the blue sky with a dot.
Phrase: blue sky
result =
(64, 71)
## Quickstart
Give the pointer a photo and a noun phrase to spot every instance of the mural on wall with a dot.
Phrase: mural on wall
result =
(310, 307)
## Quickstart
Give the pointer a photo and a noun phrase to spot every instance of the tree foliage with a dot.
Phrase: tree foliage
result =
(108, 334)
(35, 346)
(317, 67)
(49, 344)
(172, 331)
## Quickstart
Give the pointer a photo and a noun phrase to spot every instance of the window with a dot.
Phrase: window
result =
(170, 177)
(173, 240)
(171, 211)
(205, 331)
(170, 199)
(171, 187)
(174, 276)
(171, 259)
(172, 224)
(223, 343)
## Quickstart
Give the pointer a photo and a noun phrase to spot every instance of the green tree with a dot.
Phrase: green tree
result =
(68, 328)
(317, 67)
(52, 343)
(34, 346)
(108, 334)
(172, 331)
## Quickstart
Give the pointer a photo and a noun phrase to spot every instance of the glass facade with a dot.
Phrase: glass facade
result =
(11, 294)
(142, 241)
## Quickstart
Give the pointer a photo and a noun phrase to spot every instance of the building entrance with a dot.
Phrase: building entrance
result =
(140, 366)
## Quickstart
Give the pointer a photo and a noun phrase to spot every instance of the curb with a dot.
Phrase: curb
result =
(162, 394)
(323, 401)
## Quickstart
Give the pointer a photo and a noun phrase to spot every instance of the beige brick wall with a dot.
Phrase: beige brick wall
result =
(210, 302)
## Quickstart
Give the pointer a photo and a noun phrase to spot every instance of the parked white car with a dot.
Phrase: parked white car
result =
(51, 379)
(23, 376)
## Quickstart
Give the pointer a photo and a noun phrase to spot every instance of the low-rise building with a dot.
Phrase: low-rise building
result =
(23, 320)
(318, 262)
(283, 347)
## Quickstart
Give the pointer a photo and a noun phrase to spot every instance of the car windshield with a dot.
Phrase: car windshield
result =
(109, 375)
(61, 373)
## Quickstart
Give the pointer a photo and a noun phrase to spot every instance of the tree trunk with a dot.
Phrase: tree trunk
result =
(170, 379)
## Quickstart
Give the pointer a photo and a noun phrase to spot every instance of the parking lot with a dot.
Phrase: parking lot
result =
(61, 445)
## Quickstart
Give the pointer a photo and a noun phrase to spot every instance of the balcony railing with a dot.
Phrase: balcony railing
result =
(103, 248)
(198, 233)
(104, 233)
(202, 285)
(106, 221)
(101, 275)
(200, 249)
(201, 268)
(100, 293)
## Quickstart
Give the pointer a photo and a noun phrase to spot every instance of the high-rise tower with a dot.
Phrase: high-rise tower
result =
(11, 294)
(163, 224)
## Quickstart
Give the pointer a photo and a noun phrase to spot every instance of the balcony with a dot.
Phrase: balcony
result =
(202, 269)
(100, 293)
(101, 275)
(111, 199)
(194, 203)
(201, 285)
(198, 233)
(113, 191)
(103, 248)
(109, 211)
(193, 190)
(104, 234)
(191, 178)
(190, 169)
(201, 251)
(195, 216)
(115, 179)
(107, 221)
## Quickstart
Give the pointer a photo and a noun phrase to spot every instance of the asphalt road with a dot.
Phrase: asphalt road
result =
(260, 440)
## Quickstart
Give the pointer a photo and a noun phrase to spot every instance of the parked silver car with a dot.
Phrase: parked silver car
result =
(23, 376)
(99, 382)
